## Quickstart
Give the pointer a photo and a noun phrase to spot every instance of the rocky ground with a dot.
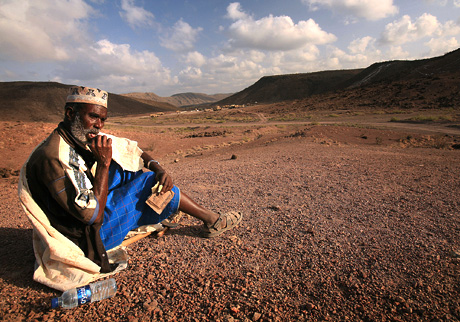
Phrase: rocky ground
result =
(339, 224)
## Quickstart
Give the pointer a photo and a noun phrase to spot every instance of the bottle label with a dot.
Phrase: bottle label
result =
(84, 294)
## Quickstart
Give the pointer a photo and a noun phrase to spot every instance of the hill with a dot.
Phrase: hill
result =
(430, 82)
(44, 101)
(271, 89)
(425, 83)
(178, 100)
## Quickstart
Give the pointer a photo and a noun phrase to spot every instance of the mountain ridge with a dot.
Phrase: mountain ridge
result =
(179, 100)
(427, 83)
(45, 101)
(268, 89)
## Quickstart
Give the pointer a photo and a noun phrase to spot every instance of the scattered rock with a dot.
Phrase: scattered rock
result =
(150, 305)
(370, 211)
(456, 253)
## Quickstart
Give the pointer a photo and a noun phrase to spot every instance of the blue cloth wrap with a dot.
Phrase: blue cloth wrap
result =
(126, 208)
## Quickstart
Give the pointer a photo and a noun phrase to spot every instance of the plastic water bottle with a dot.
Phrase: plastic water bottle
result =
(86, 294)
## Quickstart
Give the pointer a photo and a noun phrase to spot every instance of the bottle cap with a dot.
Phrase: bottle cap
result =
(54, 303)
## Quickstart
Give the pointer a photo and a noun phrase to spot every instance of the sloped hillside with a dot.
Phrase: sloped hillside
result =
(431, 82)
(270, 89)
(188, 99)
(178, 100)
(421, 84)
(400, 70)
(32, 101)
(44, 101)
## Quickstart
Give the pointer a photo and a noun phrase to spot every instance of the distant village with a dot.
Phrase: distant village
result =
(201, 109)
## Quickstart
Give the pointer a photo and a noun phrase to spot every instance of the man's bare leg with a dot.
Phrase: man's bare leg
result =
(190, 207)
(215, 224)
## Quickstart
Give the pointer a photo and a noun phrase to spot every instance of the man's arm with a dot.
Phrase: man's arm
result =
(101, 147)
(163, 178)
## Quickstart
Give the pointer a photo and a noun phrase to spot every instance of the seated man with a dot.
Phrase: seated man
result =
(91, 186)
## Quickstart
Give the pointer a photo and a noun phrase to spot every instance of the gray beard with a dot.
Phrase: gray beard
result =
(79, 132)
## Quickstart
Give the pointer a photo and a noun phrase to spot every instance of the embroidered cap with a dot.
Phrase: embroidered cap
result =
(81, 94)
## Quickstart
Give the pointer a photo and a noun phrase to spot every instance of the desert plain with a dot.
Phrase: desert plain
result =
(348, 216)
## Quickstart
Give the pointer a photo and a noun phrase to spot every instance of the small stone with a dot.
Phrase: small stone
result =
(400, 299)
(234, 157)
(256, 316)
(456, 253)
(150, 305)
(132, 318)
(233, 238)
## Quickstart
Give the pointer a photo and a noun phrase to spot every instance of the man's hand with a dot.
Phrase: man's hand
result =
(101, 146)
(164, 181)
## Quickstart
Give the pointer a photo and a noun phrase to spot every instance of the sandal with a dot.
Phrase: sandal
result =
(233, 218)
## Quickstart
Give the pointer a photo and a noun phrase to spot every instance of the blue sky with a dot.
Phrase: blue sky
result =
(214, 46)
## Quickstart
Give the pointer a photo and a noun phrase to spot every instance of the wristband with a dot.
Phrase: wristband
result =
(150, 161)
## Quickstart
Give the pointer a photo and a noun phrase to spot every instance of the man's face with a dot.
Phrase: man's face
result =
(88, 121)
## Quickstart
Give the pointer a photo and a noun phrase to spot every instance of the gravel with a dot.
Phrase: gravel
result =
(331, 231)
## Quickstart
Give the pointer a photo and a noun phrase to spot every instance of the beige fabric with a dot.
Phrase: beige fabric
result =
(126, 153)
(60, 263)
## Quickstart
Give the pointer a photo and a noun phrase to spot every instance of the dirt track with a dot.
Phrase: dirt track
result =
(340, 224)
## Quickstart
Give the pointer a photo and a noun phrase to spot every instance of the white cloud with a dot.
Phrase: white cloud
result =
(405, 31)
(135, 16)
(457, 3)
(273, 33)
(396, 52)
(441, 46)
(117, 66)
(234, 12)
(121, 59)
(241, 68)
(190, 73)
(302, 60)
(195, 58)
(360, 45)
(182, 37)
(450, 28)
(256, 56)
(368, 9)
(337, 58)
(27, 32)
(231, 71)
